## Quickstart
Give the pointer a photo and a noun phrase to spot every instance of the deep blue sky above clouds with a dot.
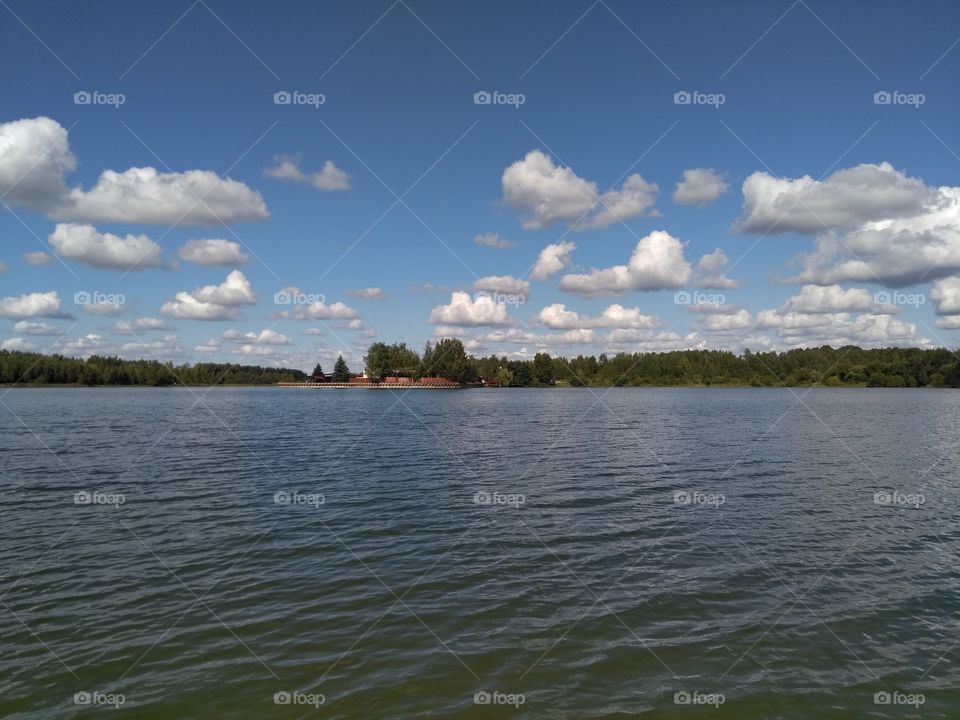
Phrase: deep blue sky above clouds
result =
(387, 183)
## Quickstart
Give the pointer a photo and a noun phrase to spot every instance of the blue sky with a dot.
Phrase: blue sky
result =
(792, 87)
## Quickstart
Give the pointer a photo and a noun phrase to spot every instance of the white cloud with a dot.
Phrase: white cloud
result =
(699, 186)
(207, 348)
(552, 259)
(84, 243)
(37, 259)
(832, 299)
(31, 305)
(635, 197)
(579, 336)
(212, 302)
(838, 329)
(264, 337)
(466, 311)
(35, 157)
(657, 263)
(551, 193)
(558, 317)
(493, 240)
(287, 167)
(710, 271)
(32, 328)
(90, 344)
(144, 324)
(846, 199)
(105, 308)
(17, 344)
(946, 296)
(321, 311)
(313, 331)
(502, 284)
(144, 195)
(370, 293)
(166, 348)
(212, 252)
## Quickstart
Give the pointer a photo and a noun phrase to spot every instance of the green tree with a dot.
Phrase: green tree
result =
(341, 373)
(543, 369)
(317, 371)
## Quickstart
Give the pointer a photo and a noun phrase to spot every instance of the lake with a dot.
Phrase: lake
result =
(567, 553)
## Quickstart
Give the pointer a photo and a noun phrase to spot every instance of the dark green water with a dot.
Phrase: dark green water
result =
(526, 544)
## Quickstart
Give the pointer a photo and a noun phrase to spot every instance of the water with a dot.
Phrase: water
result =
(782, 585)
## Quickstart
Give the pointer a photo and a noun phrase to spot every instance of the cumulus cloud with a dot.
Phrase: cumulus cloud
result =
(32, 305)
(502, 284)
(17, 344)
(35, 157)
(212, 302)
(469, 312)
(84, 243)
(834, 299)
(552, 259)
(710, 271)
(264, 337)
(699, 186)
(37, 259)
(493, 240)
(657, 263)
(287, 167)
(838, 329)
(210, 346)
(550, 193)
(321, 311)
(846, 199)
(370, 293)
(105, 308)
(558, 317)
(211, 252)
(134, 327)
(32, 328)
(945, 295)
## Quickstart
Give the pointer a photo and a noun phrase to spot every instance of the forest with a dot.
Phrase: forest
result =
(845, 366)
(36, 369)
(848, 366)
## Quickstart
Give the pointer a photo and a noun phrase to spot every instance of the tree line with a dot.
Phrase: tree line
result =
(845, 366)
(37, 369)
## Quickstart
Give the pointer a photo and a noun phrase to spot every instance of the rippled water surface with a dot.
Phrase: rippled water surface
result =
(532, 543)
